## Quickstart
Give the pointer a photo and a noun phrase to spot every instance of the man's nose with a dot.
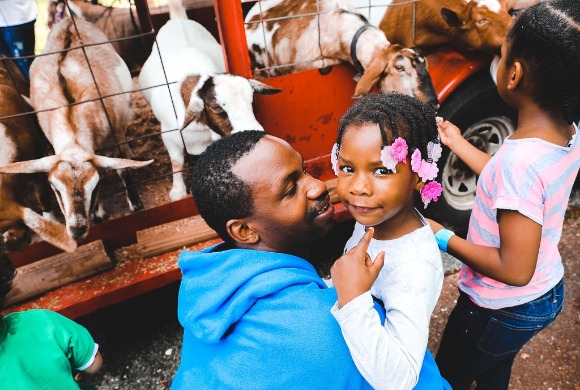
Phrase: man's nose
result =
(317, 189)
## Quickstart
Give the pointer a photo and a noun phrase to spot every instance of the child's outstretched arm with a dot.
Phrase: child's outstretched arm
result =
(354, 273)
(514, 262)
(452, 138)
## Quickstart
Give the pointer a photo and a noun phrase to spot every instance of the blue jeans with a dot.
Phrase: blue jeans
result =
(18, 41)
(481, 344)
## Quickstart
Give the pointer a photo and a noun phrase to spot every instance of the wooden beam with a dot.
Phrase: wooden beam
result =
(56, 271)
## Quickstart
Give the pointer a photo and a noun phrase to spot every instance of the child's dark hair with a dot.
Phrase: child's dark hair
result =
(219, 194)
(7, 273)
(546, 38)
(403, 115)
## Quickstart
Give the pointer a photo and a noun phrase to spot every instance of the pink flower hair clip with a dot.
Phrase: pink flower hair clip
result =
(394, 154)
(334, 158)
(431, 192)
(426, 170)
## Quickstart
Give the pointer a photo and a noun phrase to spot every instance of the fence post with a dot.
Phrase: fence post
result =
(230, 21)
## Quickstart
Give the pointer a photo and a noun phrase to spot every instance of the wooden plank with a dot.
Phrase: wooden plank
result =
(174, 235)
(48, 274)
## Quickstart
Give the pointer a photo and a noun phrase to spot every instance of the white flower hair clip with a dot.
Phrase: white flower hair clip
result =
(334, 159)
(394, 154)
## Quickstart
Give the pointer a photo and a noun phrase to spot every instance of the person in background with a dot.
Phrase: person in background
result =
(40, 348)
(17, 39)
(511, 282)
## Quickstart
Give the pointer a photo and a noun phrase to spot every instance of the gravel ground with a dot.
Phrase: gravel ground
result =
(141, 338)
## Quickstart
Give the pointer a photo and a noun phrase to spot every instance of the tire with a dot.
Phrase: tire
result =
(485, 120)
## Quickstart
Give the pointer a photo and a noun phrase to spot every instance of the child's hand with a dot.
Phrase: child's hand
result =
(354, 273)
(448, 132)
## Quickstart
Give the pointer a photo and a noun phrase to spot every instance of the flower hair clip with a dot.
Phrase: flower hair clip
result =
(431, 192)
(334, 159)
(394, 154)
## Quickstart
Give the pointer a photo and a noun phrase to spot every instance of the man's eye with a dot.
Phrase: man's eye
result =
(291, 191)
(383, 171)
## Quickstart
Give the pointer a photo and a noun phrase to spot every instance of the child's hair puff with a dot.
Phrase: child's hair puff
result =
(546, 39)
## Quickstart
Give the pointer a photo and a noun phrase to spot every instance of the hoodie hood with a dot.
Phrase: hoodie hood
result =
(218, 287)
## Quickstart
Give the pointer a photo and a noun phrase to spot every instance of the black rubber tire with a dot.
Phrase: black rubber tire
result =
(476, 108)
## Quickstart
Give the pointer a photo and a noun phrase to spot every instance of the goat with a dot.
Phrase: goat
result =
(476, 25)
(337, 34)
(115, 22)
(199, 102)
(20, 197)
(77, 122)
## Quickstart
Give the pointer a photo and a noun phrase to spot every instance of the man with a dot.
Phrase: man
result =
(256, 314)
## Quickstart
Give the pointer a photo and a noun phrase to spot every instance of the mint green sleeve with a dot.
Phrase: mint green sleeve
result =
(74, 340)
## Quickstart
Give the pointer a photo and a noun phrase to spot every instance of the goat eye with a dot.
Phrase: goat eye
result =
(399, 68)
(482, 21)
(216, 109)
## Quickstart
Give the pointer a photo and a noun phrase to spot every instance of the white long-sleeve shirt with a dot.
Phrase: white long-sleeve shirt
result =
(390, 356)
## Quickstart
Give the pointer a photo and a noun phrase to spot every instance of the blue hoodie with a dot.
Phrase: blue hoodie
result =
(259, 320)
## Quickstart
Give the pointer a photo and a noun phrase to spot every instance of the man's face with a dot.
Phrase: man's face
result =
(291, 208)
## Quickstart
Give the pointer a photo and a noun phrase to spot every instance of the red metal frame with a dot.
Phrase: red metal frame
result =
(305, 114)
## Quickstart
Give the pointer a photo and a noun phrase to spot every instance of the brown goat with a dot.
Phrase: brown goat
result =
(476, 25)
(21, 198)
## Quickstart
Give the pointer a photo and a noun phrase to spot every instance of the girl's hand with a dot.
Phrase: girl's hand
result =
(354, 273)
(448, 132)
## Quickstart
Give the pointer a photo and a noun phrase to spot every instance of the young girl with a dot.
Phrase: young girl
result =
(39, 348)
(511, 284)
(385, 153)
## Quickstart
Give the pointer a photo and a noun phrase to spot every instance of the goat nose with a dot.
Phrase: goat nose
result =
(78, 232)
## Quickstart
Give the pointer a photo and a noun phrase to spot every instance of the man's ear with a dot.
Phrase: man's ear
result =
(240, 232)
(516, 74)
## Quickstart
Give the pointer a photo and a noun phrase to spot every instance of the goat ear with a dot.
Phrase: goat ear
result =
(26, 99)
(194, 104)
(450, 17)
(44, 164)
(372, 73)
(50, 231)
(263, 89)
(118, 163)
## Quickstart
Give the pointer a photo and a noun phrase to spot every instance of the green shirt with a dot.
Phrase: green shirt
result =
(39, 348)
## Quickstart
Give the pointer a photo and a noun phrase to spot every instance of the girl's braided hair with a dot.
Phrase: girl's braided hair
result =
(546, 39)
(396, 115)
(7, 273)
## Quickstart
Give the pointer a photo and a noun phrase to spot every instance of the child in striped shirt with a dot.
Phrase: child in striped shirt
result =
(511, 281)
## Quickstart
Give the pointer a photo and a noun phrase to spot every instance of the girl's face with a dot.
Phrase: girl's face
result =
(374, 195)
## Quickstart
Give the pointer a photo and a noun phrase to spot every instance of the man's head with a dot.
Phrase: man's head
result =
(7, 273)
(252, 189)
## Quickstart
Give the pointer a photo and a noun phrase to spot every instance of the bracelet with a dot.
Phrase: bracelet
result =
(442, 237)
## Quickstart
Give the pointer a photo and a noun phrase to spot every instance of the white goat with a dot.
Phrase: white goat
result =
(72, 117)
(199, 97)
(19, 196)
(290, 36)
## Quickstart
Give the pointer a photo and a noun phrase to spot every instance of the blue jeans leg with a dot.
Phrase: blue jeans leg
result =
(480, 344)
(18, 41)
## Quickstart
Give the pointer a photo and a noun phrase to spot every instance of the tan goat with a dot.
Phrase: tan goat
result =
(72, 117)
(310, 34)
(21, 198)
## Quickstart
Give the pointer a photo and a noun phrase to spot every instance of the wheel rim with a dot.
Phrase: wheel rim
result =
(458, 181)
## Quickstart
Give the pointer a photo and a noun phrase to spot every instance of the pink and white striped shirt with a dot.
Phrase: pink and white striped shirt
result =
(535, 178)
